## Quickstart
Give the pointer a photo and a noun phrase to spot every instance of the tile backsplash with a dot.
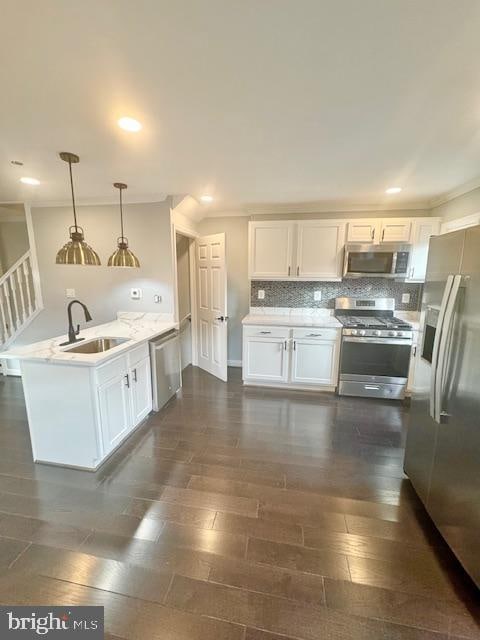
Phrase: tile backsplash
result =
(301, 294)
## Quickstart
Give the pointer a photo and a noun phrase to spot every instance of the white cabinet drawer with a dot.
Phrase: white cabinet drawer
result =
(138, 354)
(111, 369)
(318, 333)
(262, 331)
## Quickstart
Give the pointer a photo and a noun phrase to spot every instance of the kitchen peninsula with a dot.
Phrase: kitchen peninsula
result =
(81, 405)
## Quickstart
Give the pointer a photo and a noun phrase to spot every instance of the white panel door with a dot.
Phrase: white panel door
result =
(320, 249)
(115, 411)
(364, 230)
(212, 305)
(423, 229)
(396, 230)
(315, 361)
(270, 250)
(141, 386)
(265, 359)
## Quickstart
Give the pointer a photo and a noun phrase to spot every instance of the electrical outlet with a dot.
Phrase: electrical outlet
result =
(317, 296)
(135, 294)
(405, 298)
(157, 298)
(261, 294)
(70, 293)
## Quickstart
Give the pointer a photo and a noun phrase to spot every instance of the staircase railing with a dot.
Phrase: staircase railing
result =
(18, 300)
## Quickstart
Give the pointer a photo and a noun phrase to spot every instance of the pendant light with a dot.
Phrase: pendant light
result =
(76, 251)
(122, 257)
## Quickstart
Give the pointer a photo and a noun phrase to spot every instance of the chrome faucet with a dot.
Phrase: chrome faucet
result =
(72, 332)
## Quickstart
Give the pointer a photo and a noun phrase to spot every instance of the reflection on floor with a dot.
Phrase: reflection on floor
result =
(234, 514)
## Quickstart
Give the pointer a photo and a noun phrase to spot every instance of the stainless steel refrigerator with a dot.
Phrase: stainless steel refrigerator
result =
(442, 456)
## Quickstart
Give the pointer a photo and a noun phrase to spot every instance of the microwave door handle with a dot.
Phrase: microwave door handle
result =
(436, 343)
(443, 348)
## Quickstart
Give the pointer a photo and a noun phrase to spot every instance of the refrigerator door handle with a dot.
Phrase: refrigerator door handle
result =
(443, 348)
(436, 344)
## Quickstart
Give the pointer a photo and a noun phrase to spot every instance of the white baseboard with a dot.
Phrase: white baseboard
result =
(234, 363)
(10, 367)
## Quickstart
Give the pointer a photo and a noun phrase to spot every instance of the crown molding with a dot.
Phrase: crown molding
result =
(101, 201)
(316, 207)
(461, 190)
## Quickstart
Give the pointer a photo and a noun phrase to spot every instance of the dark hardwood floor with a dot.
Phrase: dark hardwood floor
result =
(235, 514)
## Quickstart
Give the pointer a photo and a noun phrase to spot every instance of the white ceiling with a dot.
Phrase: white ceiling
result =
(255, 101)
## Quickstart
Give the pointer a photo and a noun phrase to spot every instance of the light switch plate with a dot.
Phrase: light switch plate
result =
(405, 298)
(70, 293)
(135, 294)
(157, 298)
(261, 294)
(317, 296)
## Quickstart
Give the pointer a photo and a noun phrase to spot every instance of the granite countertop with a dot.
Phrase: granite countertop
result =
(136, 327)
(291, 317)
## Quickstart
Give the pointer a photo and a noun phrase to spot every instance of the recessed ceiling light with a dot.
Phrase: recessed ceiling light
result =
(206, 198)
(129, 124)
(32, 181)
(393, 190)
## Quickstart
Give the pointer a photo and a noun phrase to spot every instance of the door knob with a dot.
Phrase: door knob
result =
(222, 318)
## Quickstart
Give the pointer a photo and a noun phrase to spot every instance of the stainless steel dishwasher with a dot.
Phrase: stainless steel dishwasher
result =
(166, 368)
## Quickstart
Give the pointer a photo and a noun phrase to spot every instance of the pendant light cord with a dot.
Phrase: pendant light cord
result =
(121, 213)
(73, 195)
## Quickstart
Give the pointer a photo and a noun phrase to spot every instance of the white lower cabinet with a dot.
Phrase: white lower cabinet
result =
(141, 387)
(301, 358)
(78, 415)
(125, 399)
(115, 413)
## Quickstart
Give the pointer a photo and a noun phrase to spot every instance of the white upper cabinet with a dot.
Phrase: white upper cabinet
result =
(319, 249)
(305, 250)
(376, 230)
(364, 230)
(271, 249)
(395, 230)
(422, 230)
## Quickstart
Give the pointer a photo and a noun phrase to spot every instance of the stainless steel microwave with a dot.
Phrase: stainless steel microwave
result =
(376, 260)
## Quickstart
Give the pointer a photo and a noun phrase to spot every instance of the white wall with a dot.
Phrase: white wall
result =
(463, 205)
(105, 290)
(238, 286)
(13, 242)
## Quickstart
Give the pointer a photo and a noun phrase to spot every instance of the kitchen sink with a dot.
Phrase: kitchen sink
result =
(98, 345)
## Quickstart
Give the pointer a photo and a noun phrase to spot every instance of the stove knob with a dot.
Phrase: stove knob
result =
(362, 332)
(354, 332)
(377, 333)
(399, 333)
(391, 333)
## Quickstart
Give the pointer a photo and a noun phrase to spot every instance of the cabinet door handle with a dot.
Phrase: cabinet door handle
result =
(135, 375)
(413, 271)
(314, 335)
(298, 271)
(414, 351)
(294, 345)
(373, 234)
(127, 380)
(383, 235)
(285, 345)
(289, 269)
(265, 332)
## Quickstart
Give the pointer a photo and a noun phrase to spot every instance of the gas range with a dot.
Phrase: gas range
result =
(375, 326)
(376, 348)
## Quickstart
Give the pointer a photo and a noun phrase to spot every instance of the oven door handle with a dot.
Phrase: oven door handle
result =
(399, 341)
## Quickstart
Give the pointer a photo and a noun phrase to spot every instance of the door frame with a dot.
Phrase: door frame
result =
(192, 236)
